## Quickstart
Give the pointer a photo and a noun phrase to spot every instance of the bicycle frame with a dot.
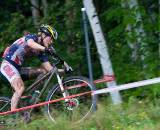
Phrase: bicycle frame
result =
(48, 75)
(46, 78)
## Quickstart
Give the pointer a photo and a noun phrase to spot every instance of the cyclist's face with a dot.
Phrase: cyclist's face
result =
(47, 41)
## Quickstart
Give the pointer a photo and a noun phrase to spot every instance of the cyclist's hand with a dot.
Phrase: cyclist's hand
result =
(68, 69)
(50, 50)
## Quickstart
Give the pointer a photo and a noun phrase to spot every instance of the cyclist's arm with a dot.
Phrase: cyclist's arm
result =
(34, 45)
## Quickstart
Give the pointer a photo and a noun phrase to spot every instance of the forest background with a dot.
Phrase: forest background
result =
(132, 32)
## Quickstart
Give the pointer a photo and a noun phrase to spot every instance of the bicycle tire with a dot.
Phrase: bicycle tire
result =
(11, 119)
(5, 104)
(82, 108)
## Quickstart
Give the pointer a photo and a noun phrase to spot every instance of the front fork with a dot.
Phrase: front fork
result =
(65, 94)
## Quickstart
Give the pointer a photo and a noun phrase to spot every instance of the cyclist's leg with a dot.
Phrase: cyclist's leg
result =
(14, 78)
(31, 73)
(18, 87)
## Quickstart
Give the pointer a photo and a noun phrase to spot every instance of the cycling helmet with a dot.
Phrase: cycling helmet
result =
(48, 30)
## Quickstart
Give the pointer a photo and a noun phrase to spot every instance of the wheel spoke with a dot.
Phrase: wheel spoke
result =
(4, 104)
(77, 108)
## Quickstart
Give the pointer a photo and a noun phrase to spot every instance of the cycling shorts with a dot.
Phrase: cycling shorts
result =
(9, 71)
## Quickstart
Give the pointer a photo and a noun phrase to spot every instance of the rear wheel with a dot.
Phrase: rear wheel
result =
(74, 109)
(4, 106)
(8, 119)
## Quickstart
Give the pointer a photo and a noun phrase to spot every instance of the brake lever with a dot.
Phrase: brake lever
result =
(60, 59)
(67, 66)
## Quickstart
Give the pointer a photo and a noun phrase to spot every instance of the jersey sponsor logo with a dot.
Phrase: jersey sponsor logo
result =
(9, 71)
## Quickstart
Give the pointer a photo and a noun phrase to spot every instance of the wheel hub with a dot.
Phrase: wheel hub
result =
(72, 103)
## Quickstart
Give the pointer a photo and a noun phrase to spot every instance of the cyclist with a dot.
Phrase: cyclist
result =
(26, 46)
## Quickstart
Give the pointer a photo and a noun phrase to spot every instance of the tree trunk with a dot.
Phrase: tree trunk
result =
(45, 7)
(159, 28)
(69, 18)
(140, 33)
(129, 29)
(35, 11)
(101, 47)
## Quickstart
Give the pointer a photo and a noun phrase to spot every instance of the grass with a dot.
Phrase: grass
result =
(134, 115)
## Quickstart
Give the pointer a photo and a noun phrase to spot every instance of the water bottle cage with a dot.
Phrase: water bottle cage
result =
(34, 96)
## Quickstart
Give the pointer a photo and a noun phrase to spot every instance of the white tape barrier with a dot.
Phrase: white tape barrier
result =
(128, 86)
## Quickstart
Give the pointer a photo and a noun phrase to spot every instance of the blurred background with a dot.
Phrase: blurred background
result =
(131, 29)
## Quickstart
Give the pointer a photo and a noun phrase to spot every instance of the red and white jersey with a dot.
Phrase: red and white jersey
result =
(19, 50)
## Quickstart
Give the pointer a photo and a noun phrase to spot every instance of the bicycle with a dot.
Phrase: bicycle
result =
(73, 109)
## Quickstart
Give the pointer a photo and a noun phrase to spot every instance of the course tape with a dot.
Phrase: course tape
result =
(106, 78)
(101, 91)
(43, 103)
(128, 86)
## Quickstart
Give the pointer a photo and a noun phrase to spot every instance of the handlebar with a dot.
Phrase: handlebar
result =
(54, 55)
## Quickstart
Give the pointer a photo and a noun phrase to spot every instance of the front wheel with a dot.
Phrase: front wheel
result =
(74, 109)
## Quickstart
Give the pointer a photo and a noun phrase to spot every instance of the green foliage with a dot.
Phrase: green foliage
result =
(129, 116)
(66, 17)
(12, 29)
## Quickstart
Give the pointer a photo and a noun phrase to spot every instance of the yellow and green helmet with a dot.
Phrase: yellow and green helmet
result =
(48, 30)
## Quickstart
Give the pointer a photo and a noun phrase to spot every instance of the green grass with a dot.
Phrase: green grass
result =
(134, 115)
